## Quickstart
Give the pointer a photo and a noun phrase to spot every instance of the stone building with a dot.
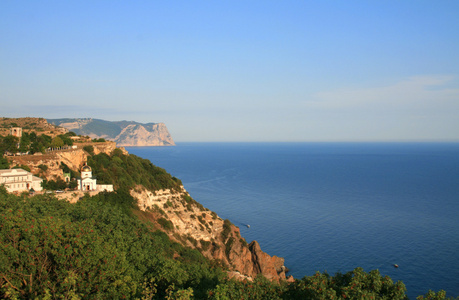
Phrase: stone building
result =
(16, 131)
(19, 180)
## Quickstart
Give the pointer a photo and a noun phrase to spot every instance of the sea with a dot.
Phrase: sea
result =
(332, 207)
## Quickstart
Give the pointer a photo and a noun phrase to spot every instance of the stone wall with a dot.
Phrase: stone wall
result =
(73, 158)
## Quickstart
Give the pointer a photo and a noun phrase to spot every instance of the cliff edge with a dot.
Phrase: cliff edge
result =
(189, 223)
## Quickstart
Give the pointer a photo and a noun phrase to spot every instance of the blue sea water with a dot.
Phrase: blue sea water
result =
(334, 206)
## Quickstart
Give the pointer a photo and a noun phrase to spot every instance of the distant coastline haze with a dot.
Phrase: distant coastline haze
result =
(238, 71)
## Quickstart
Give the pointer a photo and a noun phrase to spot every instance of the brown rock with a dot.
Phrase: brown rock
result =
(272, 267)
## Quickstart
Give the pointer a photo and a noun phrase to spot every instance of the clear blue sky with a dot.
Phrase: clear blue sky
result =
(238, 70)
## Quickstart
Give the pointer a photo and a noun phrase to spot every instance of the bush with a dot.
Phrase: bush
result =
(57, 184)
(43, 167)
(4, 164)
(205, 245)
(166, 224)
(100, 140)
(226, 229)
(229, 246)
(89, 149)
(201, 220)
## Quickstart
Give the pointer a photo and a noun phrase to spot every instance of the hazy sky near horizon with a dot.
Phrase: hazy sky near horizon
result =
(238, 70)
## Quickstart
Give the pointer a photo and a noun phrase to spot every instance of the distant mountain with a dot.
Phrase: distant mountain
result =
(124, 133)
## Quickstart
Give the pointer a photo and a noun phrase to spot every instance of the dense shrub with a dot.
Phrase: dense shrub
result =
(92, 250)
(89, 149)
(57, 184)
(226, 229)
(32, 143)
(127, 171)
(43, 167)
(166, 224)
(4, 164)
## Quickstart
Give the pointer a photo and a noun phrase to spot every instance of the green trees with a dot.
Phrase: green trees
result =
(66, 138)
(4, 164)
(25, 143)
(92, 250)
(431, 295)
(100, 140)
(356, 284)
(57, 184)
(31, 142)
(89, 149)
(9, 143)
(57, 142)
(259, 289)
(127, 171)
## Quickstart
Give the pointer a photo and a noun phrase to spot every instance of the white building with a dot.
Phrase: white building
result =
(19, 180)
(88, 183)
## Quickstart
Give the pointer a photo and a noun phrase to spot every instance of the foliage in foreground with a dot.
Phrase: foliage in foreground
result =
(51, 249)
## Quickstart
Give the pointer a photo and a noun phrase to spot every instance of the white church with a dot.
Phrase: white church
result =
(89, 183)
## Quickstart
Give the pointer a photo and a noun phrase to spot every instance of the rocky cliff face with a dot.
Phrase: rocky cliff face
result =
(73, 158)
(124, 133)
(144, 135)
(189, 223)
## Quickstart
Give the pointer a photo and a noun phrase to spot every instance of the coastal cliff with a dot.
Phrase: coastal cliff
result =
(188, 222)
(160, 199)
(124, 133)
(170, 209)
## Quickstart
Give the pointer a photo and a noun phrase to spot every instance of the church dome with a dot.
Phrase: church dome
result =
(86, 168)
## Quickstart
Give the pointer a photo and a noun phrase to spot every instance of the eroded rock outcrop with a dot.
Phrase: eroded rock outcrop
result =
(188, 222)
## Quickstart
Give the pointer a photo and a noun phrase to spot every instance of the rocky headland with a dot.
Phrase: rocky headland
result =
(124, 133)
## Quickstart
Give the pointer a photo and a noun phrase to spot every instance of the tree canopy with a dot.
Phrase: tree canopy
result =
(127, 171)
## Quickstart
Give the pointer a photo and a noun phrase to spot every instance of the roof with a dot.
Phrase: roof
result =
(13, 172)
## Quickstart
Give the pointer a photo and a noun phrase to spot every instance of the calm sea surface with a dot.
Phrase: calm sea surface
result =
(334, 206)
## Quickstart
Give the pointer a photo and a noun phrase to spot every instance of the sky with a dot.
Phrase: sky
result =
(280, 71)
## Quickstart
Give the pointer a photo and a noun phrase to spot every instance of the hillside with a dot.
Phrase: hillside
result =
(124, 133)
(185, 220)
(38, 125)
